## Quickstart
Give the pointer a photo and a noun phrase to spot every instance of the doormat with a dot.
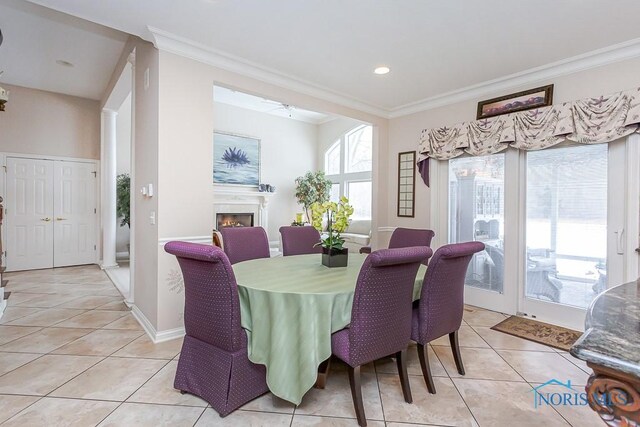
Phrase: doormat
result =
(543, 333)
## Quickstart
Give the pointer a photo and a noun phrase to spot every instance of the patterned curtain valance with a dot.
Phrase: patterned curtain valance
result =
(588, 121)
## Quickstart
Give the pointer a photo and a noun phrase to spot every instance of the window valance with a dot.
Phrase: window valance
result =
(587, 121)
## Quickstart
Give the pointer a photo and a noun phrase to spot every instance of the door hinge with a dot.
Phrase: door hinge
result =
(95, 210)
(94, 247)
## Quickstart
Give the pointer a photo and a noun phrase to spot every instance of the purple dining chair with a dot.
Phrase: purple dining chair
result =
(245, 243)
(442, 303)
(380, 317)
(214, 362)
(406, 237)
(300, 240)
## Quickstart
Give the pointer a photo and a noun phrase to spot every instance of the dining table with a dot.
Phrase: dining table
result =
(289, 307)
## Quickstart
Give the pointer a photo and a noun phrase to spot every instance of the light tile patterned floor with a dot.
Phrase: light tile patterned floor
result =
(71, 353)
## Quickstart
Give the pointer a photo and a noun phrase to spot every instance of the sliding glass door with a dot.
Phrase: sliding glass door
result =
(476, 209)
(553, 223)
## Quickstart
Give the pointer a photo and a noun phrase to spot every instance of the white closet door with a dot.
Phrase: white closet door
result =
(29, 209)
(75, 215)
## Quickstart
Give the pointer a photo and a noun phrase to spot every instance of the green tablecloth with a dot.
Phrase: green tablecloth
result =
(290, 306)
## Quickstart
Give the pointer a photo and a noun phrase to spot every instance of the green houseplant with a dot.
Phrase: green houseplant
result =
(312, 188)
(334, 254)
(123, 197)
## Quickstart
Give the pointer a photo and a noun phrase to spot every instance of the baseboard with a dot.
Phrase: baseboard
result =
(122, 256)
(168, 335)
(156, 337)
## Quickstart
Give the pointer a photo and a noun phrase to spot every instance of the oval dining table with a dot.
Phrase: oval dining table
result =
(289, 307)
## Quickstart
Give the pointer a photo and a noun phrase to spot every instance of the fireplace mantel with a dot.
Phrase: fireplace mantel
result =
(231, 199)
(240, 195)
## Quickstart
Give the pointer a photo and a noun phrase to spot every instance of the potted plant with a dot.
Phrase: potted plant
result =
(123, 197)
(334, 254)
(312, 188)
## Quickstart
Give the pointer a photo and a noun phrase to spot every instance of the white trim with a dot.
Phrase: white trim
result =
(47, 157)
(595, 58)
(169, 334)
(156, 337)
(169, 42)
(632, 202)
(172, 43)
(386, 229)
(190, 239)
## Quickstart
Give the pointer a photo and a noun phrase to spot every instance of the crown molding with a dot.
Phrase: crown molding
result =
(172, 43)
(178, 45)
(593, 59)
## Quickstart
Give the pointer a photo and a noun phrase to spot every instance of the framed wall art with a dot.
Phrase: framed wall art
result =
(406, 183)
(519, 101)
(236, 159)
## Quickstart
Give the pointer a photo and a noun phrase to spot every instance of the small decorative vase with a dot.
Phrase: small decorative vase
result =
(335, 258)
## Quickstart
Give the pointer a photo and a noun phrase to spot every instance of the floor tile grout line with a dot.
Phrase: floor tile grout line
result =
(148, 379)
(200, 416)
(39, 398)
(24, 336)
(375, 371)
(87, 399)
(554, 408)
(454, 385)
(24, 364)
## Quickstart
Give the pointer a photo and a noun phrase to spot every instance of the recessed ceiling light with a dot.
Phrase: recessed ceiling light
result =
(382, 70)
(64, 63)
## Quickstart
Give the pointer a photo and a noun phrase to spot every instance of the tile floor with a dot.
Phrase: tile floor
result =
(72, 354)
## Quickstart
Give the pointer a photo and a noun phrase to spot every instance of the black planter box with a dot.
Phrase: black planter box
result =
(335, 258)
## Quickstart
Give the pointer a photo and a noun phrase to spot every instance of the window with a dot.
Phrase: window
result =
(348, 164)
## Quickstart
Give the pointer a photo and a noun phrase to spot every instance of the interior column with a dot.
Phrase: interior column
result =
(109, 188)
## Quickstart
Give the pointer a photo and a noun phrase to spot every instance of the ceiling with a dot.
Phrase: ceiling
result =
(262, 105)
(36, 37)
(433, 47)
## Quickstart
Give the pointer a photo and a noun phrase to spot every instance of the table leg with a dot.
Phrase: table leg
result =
(323, 373)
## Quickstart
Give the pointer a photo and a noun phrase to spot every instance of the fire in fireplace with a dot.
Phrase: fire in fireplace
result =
(234, 220)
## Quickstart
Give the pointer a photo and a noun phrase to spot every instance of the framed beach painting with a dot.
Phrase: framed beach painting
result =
(519, 101)
(236, 159)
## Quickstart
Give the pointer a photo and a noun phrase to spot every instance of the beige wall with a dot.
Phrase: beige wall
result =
(47, 123)
(185, 160)
(405, 131)
(287, 149)
(146, 171)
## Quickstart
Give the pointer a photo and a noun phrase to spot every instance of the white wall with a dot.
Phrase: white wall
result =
(405, 131)
(288, 150)
(123, 162)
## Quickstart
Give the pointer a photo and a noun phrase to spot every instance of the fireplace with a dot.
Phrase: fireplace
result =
(228, 219)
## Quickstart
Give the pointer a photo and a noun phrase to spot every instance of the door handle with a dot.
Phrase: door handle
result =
(61, 219)
(619, 242)
(47, 219)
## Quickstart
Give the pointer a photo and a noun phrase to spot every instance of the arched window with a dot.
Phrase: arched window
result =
(348, 164)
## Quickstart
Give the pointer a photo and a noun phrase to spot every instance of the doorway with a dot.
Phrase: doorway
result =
(555, 224)
(51, 213)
